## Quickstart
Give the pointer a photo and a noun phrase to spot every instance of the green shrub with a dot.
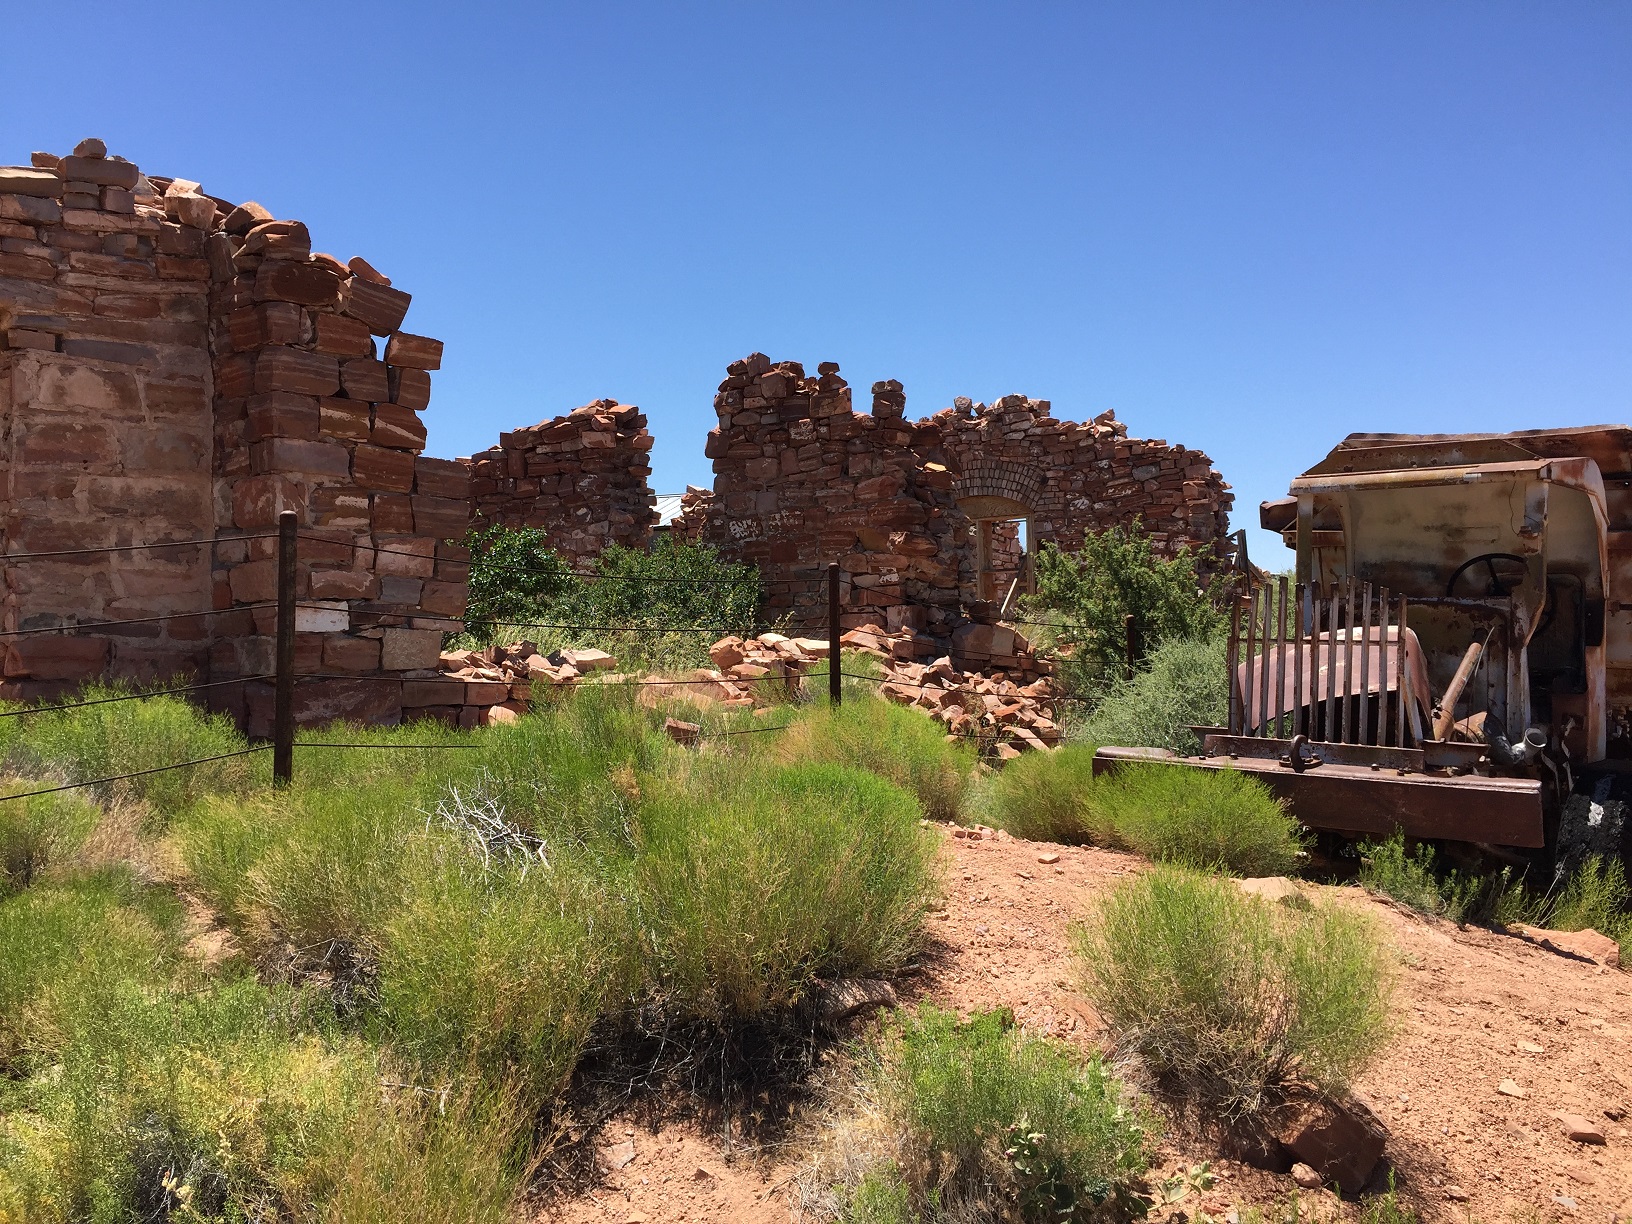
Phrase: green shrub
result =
(1595, 896)
(753, 881)
(659, 608)
(1231, 1000)
(1041, 795)
(1415, 878)
(1182, 685)
(892, 741)
(454, 1158)
(1215, 819)
(981, 1104)
(502, 974)
(122, 737)
(1114, 575)
(514, 576)
(881, 1197)
(39, 831)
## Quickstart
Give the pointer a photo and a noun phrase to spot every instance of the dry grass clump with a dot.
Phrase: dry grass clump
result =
(1232, 1002)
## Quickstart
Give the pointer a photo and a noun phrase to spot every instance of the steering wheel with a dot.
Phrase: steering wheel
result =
(1495, 587)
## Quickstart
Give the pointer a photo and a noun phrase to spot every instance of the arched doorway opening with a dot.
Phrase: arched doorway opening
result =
(1002, 545)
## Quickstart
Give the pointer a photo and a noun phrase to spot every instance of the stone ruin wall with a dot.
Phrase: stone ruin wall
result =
(801, 479)
(179, 367)
(581, 478)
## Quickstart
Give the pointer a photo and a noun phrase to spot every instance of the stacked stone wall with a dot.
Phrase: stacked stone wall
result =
(180, 367)
(582, 478)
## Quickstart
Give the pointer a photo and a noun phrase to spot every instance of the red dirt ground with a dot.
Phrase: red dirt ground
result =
(1472, 1006)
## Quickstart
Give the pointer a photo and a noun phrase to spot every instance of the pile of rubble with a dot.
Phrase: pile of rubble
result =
(1011, 709)
(498, 680)
(1008, 712)
(743, 665)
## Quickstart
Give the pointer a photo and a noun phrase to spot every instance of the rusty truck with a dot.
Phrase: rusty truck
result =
(1451, 655)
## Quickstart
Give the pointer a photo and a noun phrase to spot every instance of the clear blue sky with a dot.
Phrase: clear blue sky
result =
(1247, 227)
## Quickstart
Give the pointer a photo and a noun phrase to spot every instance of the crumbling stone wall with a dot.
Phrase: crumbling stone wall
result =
(582, 478)
(180, 367)
(801, 479)
(1075, 477)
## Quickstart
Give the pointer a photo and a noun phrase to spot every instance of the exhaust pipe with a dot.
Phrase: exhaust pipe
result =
(1504, 752)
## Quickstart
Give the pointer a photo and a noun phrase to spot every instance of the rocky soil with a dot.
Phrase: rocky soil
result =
(1480, 1014)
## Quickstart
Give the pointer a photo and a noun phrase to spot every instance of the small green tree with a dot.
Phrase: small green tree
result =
(513, 576)
(1114, 575)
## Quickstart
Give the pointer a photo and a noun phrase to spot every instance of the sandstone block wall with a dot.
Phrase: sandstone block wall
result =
(176, 366)
(801, 479)
(582, 478)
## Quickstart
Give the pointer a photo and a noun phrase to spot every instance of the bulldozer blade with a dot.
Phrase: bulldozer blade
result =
(1360, 799)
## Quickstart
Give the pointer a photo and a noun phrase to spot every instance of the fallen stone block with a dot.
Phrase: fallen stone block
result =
(1341, 1141)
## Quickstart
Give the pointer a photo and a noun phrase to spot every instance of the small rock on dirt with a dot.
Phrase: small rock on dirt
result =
(1583, 945)
(1530, 1047)
(615, 1156)
(1509, 1088)
(1580, 1129)
(1456, 1194)
(1305, 1176)
(682, 732)
(852, 996)
(1341, 1141)
(1048, 858)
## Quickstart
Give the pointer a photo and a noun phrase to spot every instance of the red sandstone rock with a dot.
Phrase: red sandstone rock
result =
(413, 352)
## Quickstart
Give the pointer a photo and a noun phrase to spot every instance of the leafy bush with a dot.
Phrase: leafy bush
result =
(753, 881)
(1114, 575)
(1182, 685)
(514, 576)
(1213, 819)
(660, 608)
(981, 1104)
(1231, 1000)
(892, 741)
(1041, 795)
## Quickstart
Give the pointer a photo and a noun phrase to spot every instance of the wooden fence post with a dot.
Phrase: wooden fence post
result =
(283, 700)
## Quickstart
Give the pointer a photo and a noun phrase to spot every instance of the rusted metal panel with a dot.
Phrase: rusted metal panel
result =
(1358, 799)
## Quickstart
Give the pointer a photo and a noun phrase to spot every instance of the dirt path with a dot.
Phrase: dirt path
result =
(1474, 1009)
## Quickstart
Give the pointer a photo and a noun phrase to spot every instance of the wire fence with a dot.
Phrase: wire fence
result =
(284, 677)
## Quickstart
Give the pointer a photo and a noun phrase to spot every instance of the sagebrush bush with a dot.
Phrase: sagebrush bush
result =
(892, 741)
(981, 1104)
(1041, 795)
(1181, 685)
(122, 737)
(39, 831)
(1231, 1000)
(502, 974)
(754, 880)
(1216, 819)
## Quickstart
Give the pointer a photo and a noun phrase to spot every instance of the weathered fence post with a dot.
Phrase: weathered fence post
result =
(833, 653)
(283, 698)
